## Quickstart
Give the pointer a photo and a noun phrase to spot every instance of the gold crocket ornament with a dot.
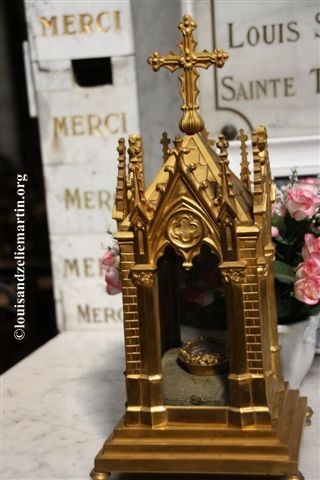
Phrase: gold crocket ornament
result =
(197, 255)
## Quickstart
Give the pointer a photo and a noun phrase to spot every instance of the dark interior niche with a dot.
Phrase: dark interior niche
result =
(92, 72)
(193, 298)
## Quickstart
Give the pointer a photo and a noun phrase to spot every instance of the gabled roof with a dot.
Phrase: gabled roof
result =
(199, 168)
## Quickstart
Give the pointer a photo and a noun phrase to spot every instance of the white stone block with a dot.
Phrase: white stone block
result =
(57, 75)
(80, 198)
(86, 306)
(78, 257)
(61, 30)
(84, 125)
(79, 285)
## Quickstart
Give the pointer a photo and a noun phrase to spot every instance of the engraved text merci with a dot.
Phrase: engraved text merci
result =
(88, 314)
(87, 267)
(87, 199)
(80, 24)
(90, 124)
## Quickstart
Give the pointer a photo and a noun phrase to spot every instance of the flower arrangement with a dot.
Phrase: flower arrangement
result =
(110, 262)
(296, 234)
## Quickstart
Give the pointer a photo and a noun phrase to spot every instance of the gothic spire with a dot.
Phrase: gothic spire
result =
(226, 192)
(121, 201)
(136, 176)
(245, 171)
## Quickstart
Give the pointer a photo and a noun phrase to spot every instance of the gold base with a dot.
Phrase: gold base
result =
(203, 448)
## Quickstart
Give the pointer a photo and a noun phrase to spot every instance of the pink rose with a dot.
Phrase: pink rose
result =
(310, 183)
(112, 290)
(311, 245)
(311, 266)
(301, 203)
(112, 278)
(110, 259)
(274, 232)
(112, 256)
(110, 262)
(307, 290)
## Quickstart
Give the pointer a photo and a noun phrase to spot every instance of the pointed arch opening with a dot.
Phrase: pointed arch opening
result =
(203, 309)
(191, 305)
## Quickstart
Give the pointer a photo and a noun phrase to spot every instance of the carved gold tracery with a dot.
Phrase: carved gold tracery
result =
(185, 229)
(143, 279)
(233, 274)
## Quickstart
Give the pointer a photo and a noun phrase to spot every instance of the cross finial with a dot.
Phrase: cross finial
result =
(178, 151)
(188, 61)
(165, 142)
(223, 145)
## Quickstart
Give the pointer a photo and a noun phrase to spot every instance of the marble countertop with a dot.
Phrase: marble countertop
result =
(60, 403)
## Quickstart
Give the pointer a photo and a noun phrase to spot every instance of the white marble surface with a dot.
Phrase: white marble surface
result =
(288, 110)
(61, 402)
(107, 32)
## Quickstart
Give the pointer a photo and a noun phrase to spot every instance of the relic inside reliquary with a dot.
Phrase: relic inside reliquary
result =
(204, 386)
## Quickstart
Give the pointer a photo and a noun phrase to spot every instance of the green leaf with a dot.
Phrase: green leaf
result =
(284, 272)
(314, 310)
(283, 241)
(284, 310)
(277, 220)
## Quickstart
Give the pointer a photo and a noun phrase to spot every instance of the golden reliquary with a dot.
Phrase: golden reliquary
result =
(197, 258)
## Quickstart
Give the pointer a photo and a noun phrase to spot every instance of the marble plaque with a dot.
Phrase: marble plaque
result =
(57, 75)
(80, 198)
(87, 306)
(84, 125)
(272, 76)
(79, 286)
(78, 256)
(62, 30)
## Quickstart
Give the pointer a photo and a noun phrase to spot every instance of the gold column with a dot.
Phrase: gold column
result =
(153, 411)
(131, 328)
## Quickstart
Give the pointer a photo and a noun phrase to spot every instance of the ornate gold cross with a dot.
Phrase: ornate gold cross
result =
(188, 61)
